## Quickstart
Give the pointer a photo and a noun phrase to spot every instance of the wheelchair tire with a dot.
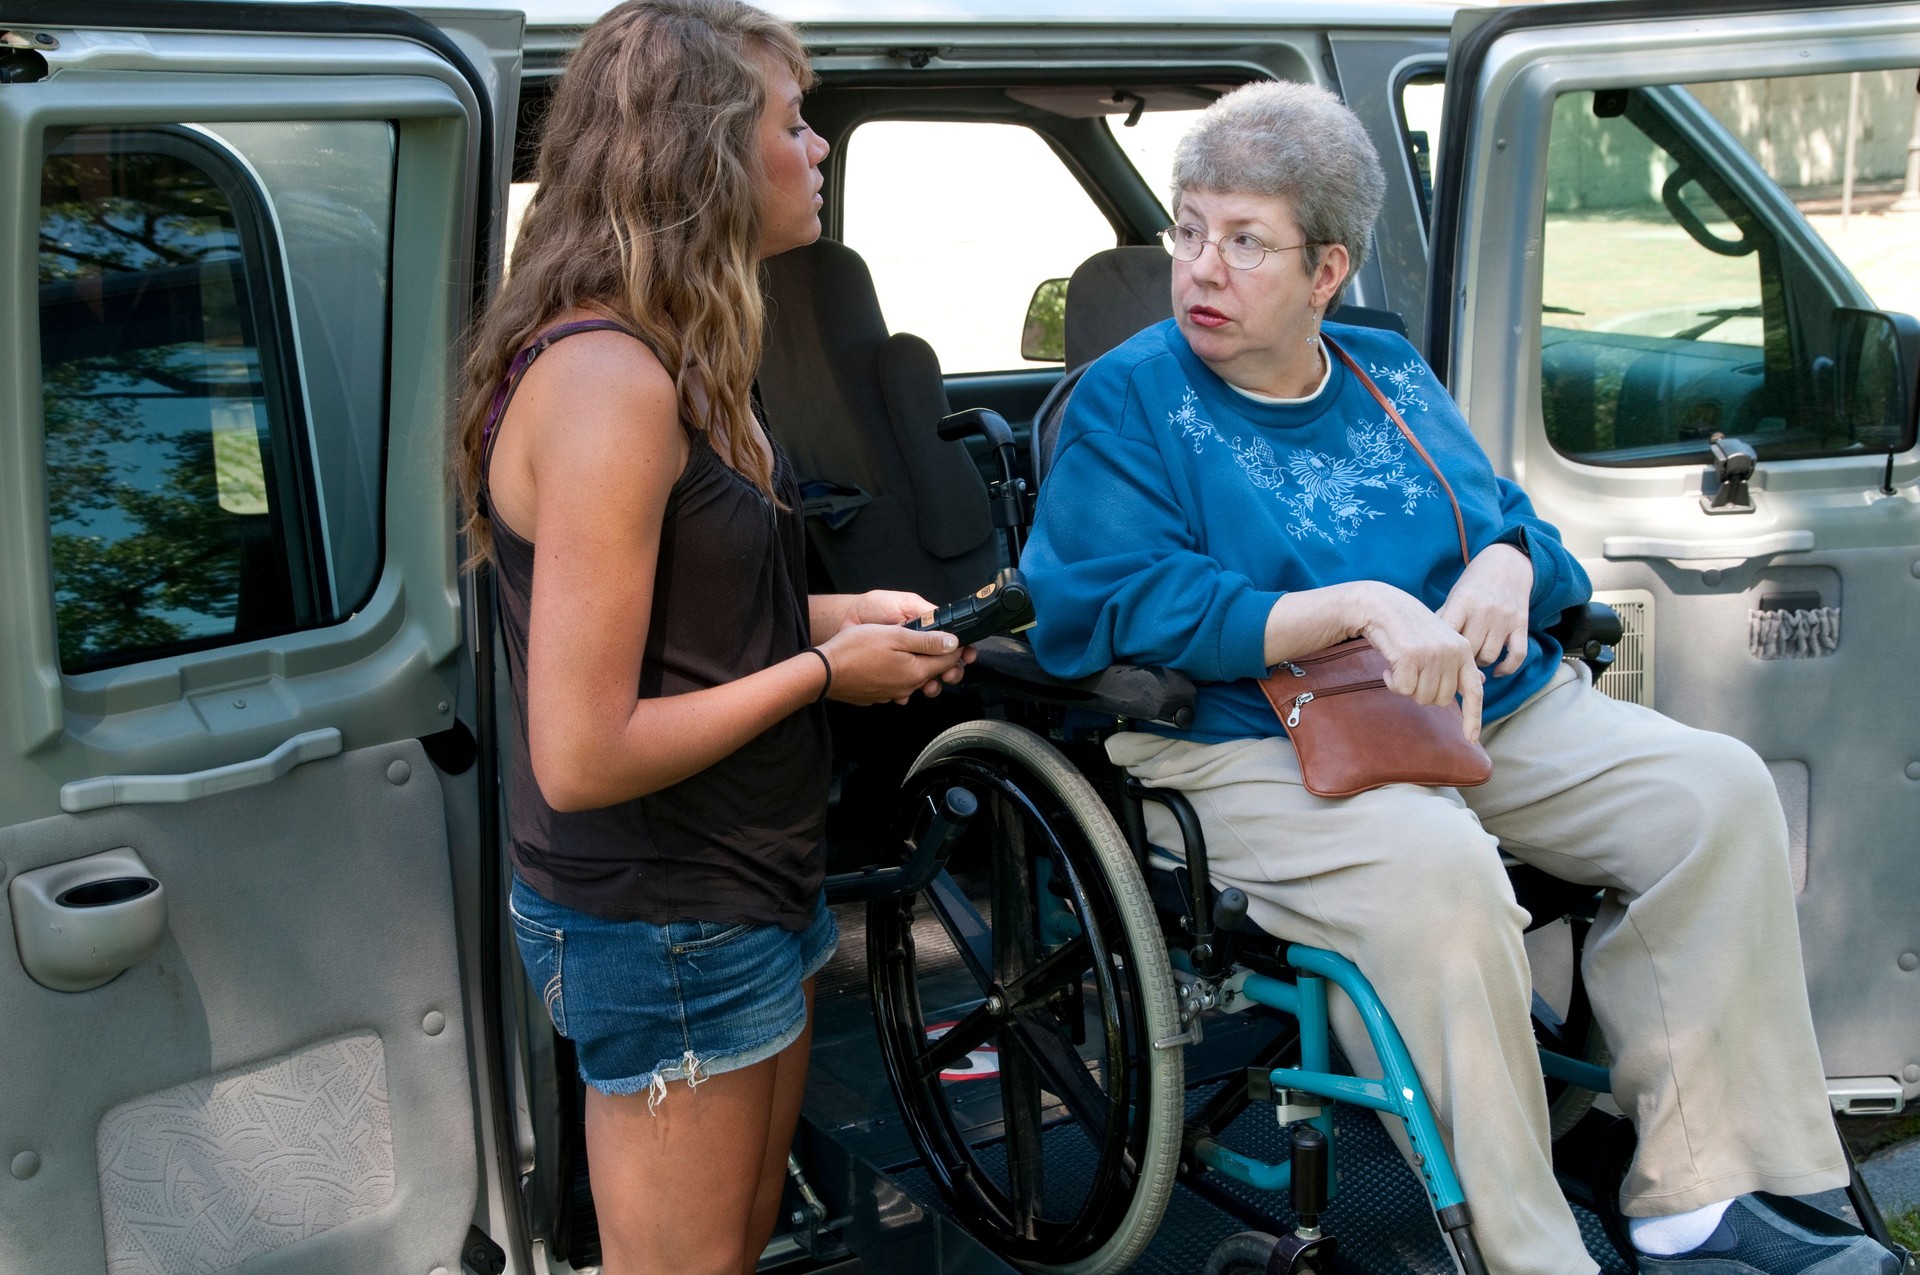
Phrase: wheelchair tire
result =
(1243, 1253)
(1568, 1104)
(1061, 984)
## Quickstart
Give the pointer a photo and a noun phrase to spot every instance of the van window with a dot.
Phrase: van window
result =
(1422, 101)
(1680, 299)
(1149, 143)
(960, 223)
(200, 491)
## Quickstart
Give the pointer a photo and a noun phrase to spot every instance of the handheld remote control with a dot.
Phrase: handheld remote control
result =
(1003, 606)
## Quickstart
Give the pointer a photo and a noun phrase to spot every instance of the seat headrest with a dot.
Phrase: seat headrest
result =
(1113, 295)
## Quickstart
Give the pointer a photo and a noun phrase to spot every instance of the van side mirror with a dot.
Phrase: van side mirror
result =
(1044, 338)
(1876, 377)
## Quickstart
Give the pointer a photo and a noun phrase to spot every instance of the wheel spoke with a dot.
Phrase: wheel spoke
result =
(957, 1042)
(1014, 941)
(1064, 1074)
(1026, 1159)
(964, 926)
(1063, 969)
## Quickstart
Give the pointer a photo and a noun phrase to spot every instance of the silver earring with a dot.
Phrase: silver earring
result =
(1313, 336)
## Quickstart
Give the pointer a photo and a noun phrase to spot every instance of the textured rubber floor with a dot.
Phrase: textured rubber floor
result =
(1380, 1213)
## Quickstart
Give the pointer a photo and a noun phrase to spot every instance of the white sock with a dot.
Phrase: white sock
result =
(1676, 1232)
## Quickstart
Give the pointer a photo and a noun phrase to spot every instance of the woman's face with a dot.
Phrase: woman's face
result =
(790, 155)
(1251, 325)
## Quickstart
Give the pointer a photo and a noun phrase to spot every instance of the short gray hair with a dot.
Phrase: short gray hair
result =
(1295, 142)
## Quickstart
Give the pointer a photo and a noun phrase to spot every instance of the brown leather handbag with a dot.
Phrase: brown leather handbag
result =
(1353, 734)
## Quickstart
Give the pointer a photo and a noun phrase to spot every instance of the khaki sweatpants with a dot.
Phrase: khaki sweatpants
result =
(1693, 965)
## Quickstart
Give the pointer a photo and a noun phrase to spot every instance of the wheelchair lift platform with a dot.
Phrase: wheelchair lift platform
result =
(853, 1134)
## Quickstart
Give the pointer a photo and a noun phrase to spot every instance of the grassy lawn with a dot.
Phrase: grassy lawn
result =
(1905, 1226)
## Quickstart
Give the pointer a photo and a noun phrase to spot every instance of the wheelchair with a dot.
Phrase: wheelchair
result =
(1026, 919)
(1089, 961)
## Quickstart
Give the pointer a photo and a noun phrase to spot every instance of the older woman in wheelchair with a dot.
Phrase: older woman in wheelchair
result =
(1229, 493)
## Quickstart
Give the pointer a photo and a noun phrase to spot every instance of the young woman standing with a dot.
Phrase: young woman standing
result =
(670, 777)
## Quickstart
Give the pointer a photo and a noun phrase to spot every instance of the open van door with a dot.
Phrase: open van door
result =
(242, 887)
(1647, 334)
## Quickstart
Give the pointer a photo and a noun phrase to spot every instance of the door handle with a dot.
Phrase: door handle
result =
(134, 790)
(1706, 552)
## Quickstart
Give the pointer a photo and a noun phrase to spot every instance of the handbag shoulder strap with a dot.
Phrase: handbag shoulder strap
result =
(1459, 522)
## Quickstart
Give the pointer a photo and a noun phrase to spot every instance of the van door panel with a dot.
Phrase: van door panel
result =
(1825, 707)
(225, 390)
(285, 1079)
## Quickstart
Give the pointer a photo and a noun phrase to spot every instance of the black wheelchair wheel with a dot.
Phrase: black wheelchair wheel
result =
(1018, 1033)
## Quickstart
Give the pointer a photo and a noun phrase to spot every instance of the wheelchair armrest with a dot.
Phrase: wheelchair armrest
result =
(1582, 630)
(1124, 690)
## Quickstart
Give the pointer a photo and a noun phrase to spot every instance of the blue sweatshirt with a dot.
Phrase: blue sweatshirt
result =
(1178, 510)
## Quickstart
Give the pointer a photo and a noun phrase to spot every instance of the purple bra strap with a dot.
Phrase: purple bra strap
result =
(523, 360)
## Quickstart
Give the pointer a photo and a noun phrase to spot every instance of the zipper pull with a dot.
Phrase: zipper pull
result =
(1293, 718)
(1293, 668)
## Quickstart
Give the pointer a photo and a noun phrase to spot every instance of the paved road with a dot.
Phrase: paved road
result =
(1893, 1175)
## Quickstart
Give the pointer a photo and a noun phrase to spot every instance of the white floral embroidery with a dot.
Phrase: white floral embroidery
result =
(1187, 419)
(1405, 381)
(1327, 494)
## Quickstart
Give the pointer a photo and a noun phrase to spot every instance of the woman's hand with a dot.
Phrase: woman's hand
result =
(828, 613)
(1428, 661)
(833, 612)
(884, 606)
(873, 663)
(1488, 607)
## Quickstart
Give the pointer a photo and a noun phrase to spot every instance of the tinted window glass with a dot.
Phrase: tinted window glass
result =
(184, 494)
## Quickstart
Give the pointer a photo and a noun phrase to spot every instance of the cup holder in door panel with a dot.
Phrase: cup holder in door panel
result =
(100, 894)
(78, 925)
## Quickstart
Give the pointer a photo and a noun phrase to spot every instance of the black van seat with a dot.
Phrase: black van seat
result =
(890, 505)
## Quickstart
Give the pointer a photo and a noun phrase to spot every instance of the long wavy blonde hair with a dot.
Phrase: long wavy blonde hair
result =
(646, 212)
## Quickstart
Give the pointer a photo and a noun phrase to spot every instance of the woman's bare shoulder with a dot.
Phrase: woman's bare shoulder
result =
(596, 415)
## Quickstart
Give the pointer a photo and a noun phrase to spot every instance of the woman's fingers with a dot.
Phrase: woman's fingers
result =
(1487, 646)
(1472, 689)
(1517, 648)
(1436, 683)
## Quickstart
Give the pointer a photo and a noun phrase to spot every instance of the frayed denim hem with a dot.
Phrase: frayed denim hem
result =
(696, 1071)
(819, 962)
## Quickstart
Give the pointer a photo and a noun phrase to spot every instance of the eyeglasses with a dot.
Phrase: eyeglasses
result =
(1241, 251)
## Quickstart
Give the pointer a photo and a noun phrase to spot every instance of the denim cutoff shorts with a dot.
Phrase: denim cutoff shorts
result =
(644, 1004)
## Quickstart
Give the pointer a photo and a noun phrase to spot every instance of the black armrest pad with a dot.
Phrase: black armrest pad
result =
(1124, 690)
(1590, 622)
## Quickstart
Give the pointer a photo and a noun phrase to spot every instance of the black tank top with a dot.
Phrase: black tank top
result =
(741, 840)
